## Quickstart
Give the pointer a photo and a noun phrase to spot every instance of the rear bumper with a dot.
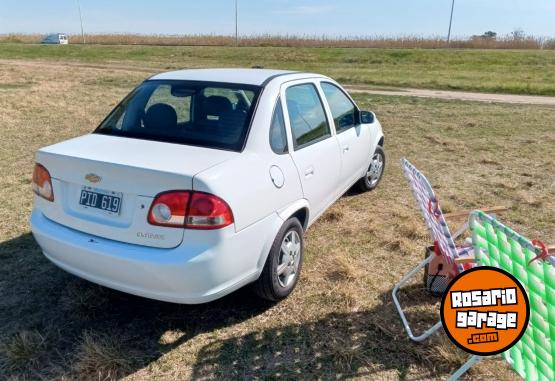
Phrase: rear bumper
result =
(207, 266)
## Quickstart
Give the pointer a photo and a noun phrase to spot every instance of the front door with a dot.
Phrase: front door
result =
(353, 138)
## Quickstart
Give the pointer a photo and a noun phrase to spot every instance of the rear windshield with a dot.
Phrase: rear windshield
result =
(205, 114)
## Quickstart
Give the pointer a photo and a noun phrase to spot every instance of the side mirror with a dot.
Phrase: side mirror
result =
(367, 117)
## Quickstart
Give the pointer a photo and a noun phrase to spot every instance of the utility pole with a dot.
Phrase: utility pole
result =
(236, 24)
(450, 23)
(81, 19)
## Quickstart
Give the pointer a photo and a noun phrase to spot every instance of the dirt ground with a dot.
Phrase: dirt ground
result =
(459, 95)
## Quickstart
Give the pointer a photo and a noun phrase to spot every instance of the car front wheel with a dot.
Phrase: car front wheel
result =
(283, 265)
(374, 173)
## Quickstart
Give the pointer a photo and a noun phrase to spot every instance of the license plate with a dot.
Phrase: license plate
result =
(106, 201)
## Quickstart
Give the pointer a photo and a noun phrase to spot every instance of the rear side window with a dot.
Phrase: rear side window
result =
(342, 109)
(278, 137)
(306, 115)
(205, 114)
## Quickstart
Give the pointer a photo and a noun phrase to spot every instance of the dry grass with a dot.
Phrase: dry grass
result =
(340, 323)
(20, 350)
(101, 357)
(507, 42)
(82, 300)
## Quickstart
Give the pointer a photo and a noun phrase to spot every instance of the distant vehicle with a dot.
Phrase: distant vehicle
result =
(56, 38)
(202, 181)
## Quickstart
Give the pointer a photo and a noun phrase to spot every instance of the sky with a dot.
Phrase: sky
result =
(286, 17)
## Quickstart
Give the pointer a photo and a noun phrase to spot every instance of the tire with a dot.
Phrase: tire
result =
(275, 286)
(372, 178)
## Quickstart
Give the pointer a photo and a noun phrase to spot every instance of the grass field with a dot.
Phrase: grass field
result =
(340, 322)
(504, 71)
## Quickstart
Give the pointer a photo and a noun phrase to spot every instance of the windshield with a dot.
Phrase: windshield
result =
(206, 114)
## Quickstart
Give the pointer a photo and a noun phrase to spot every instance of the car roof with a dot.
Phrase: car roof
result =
(258, 77)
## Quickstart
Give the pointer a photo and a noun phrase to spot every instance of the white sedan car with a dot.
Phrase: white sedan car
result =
(202, 181)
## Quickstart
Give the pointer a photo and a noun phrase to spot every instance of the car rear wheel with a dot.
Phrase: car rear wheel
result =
(374, 173)
(283, 265)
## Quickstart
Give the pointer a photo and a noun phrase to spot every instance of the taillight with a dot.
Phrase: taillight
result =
(169, 209)
(42, 183)
(192, 210)
(207, 211)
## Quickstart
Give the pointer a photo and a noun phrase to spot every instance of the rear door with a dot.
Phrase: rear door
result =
(353, 138)
(315, 150)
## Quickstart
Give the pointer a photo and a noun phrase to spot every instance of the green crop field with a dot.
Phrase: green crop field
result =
(340, 322)
(504, 71)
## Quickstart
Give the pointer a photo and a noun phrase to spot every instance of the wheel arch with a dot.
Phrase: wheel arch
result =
(299, 209)
(302, 216)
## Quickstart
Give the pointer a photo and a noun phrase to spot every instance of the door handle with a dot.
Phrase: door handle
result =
(309, 171)
(345, 149)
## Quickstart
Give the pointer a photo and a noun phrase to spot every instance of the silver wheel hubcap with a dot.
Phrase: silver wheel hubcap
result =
(289, 258)
(375, 171)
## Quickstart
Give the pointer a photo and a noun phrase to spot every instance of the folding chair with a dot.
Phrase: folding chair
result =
(533, 357)
(458, 258)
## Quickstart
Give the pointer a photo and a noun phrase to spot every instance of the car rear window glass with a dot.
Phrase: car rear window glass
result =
(306, 115)
(205, 114)
(181, 105)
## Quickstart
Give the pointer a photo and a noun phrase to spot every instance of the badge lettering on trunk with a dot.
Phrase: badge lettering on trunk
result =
(93, 178)
(150, 235)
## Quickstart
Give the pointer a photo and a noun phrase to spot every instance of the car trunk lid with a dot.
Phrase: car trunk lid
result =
(104, 185)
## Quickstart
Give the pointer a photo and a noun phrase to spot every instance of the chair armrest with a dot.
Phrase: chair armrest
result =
(464, 214)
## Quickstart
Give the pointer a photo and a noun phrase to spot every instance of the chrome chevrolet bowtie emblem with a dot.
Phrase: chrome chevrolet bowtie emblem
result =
(91, 177)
